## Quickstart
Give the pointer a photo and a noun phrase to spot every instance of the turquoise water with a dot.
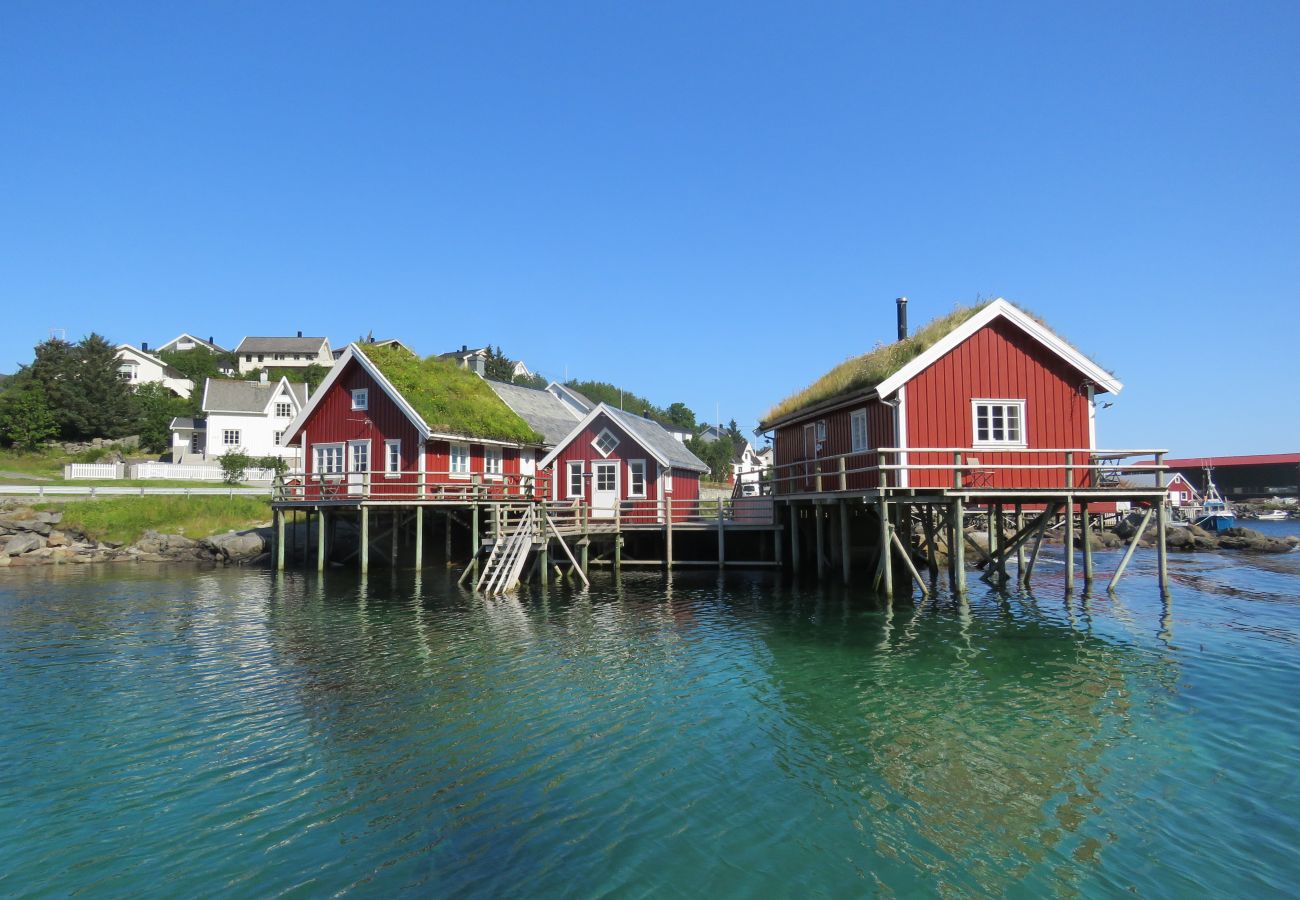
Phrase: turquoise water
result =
(231, 733)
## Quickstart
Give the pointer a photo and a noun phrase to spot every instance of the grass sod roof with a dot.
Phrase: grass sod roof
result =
(864, 372)
(451, 400)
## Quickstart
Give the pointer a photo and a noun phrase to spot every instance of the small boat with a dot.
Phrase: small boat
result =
(1271, 515)
(1215, 513)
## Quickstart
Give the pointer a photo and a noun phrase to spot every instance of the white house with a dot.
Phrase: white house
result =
(283, 352)
(240, 415)
(748, 464)
(186, 341)
(137, 366)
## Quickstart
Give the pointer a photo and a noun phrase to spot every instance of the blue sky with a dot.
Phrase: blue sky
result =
(709, 203)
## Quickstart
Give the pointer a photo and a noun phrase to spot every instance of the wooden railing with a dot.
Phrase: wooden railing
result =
(967, 468)
(404, 487)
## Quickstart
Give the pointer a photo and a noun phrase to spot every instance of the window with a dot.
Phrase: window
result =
(605, 442)
(392, 457)
(361, 398)
(821, 431)
(360, 453)
(636, 477)
(460, 459)
(283, 409)
(606, 476)
(575, 479)
(230, 437)
(999, 422)
(129, 372)
(668, 481)
(492, 460)
(196, 443)
(858, 427)
(261, 357)
(329, 459)
(248, 357)
(279, 438)
(279, 356)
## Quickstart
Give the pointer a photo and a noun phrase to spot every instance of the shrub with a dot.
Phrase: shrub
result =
(234, 464)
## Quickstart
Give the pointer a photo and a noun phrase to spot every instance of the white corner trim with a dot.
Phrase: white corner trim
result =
(1092, 418)
(900, 425)
(1000, 307)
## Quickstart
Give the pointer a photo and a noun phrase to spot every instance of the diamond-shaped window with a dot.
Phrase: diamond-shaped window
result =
(605, 442)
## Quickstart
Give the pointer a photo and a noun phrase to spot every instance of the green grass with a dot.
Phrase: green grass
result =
(451, 400)
(43, 463)
(125, 519)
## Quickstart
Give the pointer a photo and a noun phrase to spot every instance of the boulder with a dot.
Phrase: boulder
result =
(22, 543)
(236, 547)
(1252, 542)
(57, 539)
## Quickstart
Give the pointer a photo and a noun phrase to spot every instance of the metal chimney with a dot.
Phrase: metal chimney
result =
(144, 345)
(299, 334)
(902, 318)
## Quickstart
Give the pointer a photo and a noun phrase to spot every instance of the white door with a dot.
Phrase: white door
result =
(527, 469)
(604, 489)
(358, 465)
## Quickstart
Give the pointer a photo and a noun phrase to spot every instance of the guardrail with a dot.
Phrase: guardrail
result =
(965, 468)
(405, 487)
(62, 490)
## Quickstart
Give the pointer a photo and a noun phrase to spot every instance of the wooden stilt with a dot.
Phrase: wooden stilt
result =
(1048, 514)
(446, 524)
(419, 538)
(958, 548)
(1162, 548)
(722, 538)
(365, 539)
(320, 540)
(1132, 547)
(1085, 531)
(1020, 550)
(668, 531)
(476, 540)
(279, 540)
(795, 556)
(911, 566)
(886, 564)
(846, 556)
(931, 539)
(778, 539)
(1002, 543)
(1069, 544)
(821, 541)
(397, 523)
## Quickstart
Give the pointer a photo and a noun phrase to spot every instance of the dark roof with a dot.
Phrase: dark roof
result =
(226, 395)
(547, 414)
(653, 436)
(280, 345)
(181, 422)
(200, 341)
(1259, 459)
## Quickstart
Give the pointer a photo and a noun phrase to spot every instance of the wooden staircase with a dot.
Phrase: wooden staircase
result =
(506, 561)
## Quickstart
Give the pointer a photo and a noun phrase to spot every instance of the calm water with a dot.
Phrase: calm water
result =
(227, 733)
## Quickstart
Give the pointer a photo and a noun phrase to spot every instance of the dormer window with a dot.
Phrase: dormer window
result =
(283, 409)
(361, 398)
(605, 442)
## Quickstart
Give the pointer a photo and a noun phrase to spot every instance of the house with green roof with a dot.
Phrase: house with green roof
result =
(990, 381)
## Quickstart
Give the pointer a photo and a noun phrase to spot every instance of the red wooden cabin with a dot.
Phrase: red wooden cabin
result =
(999, 388)
(361, 437)
(614, 459)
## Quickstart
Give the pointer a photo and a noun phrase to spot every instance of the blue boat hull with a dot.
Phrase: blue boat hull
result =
(1218, 523)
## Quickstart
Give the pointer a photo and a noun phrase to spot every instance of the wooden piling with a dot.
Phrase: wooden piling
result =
(419, 537)
(845, 549)
(668, 531)
(886, 564)
(821, 537)
(320, 540)
(365, 539)
(1069, 544)
(476, 540)
(958, 548)
(279, 540)
(722, 538)
(1086, 536)
(795, 555)
(1020, 549)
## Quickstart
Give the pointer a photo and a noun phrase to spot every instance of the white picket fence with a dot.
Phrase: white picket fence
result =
(112, 471)
(62, 490)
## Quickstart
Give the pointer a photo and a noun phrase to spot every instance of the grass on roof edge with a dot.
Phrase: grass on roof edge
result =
(451, 400)
(869, 369)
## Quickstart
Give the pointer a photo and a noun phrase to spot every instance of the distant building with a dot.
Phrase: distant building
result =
(251, 416)
(475, 359)
(136, 366)
(1244, 477)
(186, 341)
(283, 352)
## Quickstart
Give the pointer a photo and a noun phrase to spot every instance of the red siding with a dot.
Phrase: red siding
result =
(798, 468)
(998, 362)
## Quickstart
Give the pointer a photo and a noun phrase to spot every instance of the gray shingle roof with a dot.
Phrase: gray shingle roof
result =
(225, 395)
(653, 436)
(280, 345)
(544, 412)
(183, 422)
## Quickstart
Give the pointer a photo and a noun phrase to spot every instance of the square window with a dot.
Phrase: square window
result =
(283, 409)
(329, 459)
(605, 442)
(230, 437)
(361, 398)
(606, 477)
(998, 423)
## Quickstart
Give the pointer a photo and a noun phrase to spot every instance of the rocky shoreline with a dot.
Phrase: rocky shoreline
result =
(35, 538)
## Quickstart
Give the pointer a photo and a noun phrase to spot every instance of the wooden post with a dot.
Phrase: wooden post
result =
(419, 537)
(1133, 545)
(1086, 530)
(821, 538)
(365, 539)
(1069, 544)
(886, 563)
(777, 538)
(476, 543)
(956, 475)
(722, 538)
(1020, 548)
(1162, 527)
(844, 479)
(668, 530)
(1002, 543)
(1069, 476)
(958, 548)
(618, 540)
(845, 560)
(795, 556)
(279, 540)
(397, 520)
(320, 540)
(582, 553)
(446, 521)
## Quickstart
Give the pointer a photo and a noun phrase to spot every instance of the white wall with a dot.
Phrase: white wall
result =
(324, 358)
(140, 369)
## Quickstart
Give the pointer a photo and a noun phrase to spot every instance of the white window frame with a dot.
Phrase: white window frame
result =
(283, 409)
(574, 467)
(458, 452)
(360, 398)
(668, 480)
(601, 466)
(636, 468)
(227, 441)
(335, 464)
(1020, 442)
(598, 438)
(858, 430)
(392, 459)
(494, 462)
(277, 438)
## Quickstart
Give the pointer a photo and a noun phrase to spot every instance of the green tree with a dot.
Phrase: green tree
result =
(26, 420)
(498, 366)
(536, 380)
(155, 407)
(234, 463)
(313, 375)
(714, 454)
(681, 415)
(88, 397)
(199, 364)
